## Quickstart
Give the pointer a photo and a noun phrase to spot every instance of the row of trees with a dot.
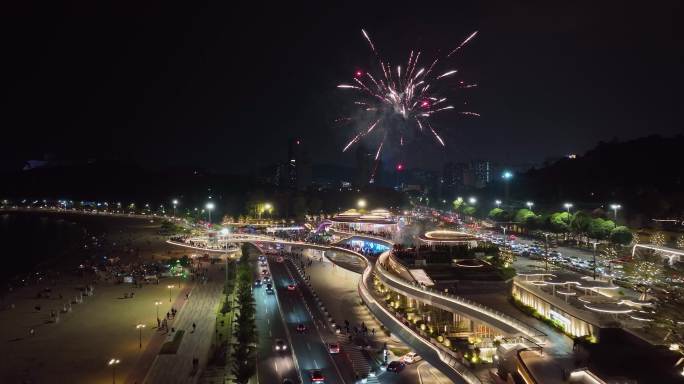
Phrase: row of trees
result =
(244, 363)
(580, 224)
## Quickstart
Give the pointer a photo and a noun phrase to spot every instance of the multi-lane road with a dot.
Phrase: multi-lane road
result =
(272, 366)
(278, 317)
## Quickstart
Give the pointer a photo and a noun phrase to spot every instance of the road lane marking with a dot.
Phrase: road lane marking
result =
(276, 365)
(315, 364)
(308, 345)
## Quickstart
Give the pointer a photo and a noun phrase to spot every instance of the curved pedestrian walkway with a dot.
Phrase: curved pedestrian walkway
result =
(489, 316)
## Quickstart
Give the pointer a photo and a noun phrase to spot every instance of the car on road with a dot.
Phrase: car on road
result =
(316, 376)
(267, 279)
(291, 287)
(262, 258)
(269, 289)
(280, 345)
(280, 259)
(410, 358)
(396, 366)
(301, 328)
(333, 348)
(257, 283)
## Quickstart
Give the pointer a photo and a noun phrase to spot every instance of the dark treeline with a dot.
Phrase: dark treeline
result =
(644, 175)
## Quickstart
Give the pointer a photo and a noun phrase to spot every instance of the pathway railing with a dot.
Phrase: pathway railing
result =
(483, 313)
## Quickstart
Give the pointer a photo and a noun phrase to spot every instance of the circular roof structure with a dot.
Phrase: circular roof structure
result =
(447, 237)
(376, 216)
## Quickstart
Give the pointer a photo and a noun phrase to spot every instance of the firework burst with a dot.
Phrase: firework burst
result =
(409, 93)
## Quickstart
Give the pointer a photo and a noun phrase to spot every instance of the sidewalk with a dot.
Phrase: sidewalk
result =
(154, 345)
(337, 289)
(201, 310)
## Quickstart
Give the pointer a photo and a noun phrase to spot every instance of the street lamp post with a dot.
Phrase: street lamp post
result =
(361, 203)
(615, 208)
(209, 207)
(507, 176)
(594, 256)
(113, 363)
(529, 205)
(546, 252)
(567, 207)
(175, 204)
(140, 327)
(169, 287)
(157, 304)
(497, 202)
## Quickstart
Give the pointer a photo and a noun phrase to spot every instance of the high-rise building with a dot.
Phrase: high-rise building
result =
(453, 180)
(482, 170)
(295, 172)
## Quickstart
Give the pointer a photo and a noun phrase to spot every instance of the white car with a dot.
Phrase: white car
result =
(410, 358)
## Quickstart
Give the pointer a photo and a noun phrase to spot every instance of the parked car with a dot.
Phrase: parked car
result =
(411, 358)
(396, 366)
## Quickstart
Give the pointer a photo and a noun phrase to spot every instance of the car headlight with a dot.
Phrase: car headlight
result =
(277, 348)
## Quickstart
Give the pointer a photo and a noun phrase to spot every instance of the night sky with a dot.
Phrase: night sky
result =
(223, 86)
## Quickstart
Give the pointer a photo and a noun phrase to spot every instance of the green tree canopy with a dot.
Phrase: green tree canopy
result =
(523, 215)
(580, 222)
(600, 229)
(559, 222)
(499, 214)
(495, 212)
(621, 235)
(469, 210)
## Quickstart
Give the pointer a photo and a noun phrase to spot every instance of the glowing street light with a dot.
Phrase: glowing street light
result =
(615, 208)
(507, 176)
(140, 327)
(265, 207)
(472, 200)
(170, 287)
(568, 206)
(497, 202)
(209, 207)
(175, 204)
(361, 203)
(113, 363)
(529, 205)
(157, 304)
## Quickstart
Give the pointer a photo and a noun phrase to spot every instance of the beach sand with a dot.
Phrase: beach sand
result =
(78, 347)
